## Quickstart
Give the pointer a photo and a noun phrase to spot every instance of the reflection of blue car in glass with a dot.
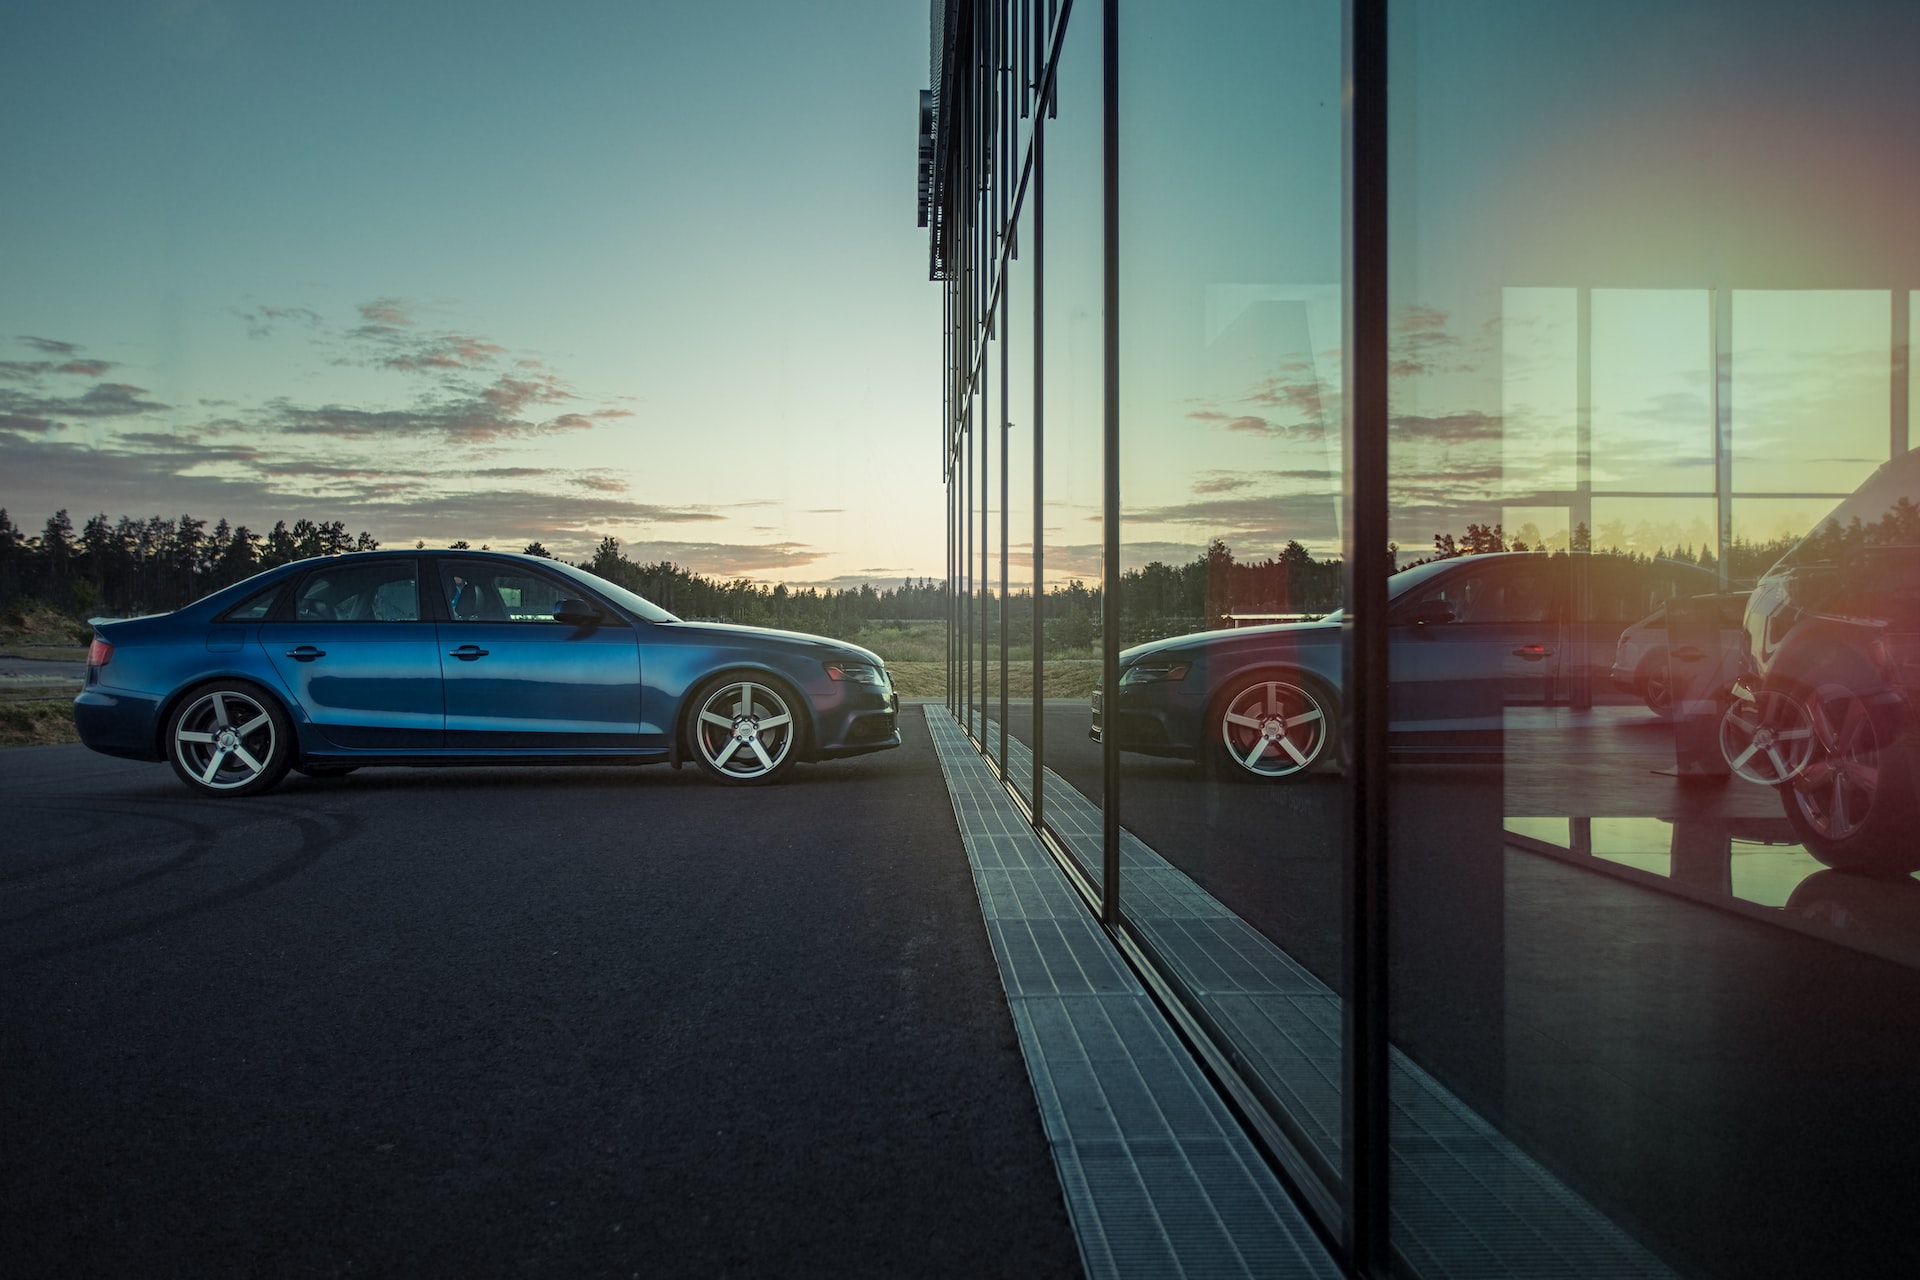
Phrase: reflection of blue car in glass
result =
(457, 657)
(1470, 636)
(1827, 713)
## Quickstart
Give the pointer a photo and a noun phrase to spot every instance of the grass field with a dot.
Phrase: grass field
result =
(1069, 678)
(37, 722)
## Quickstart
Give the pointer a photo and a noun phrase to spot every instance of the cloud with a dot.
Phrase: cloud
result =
(1259, 519)
(103, 400)
(387, 312)
(726, 560)
(1420, 344)
(1450, 428)
(1257, 425)
(34, 370)
(1297, 388)
(505, 409)
(1211, 482)
(421, 466)
(878, 579)
(249, 485)
(261, 321)
(442, 351)
(1083, 560)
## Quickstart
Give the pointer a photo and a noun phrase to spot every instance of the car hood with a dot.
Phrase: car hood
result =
(1204, 639)
(796, 638)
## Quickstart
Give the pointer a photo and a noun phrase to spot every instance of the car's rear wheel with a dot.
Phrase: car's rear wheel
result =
(1852, 805)
(1272, 726)
(745, 729)
(1656, 685)
(229, 739)
(1766, 736)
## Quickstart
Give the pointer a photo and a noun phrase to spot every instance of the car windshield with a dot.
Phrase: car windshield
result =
(1883, 512)
(640, 605)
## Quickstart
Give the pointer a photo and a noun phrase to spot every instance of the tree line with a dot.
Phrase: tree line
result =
(129, 566)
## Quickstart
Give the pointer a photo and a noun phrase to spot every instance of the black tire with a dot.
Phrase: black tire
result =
(325, 770)
(229, 738)
(1656, 685)
(745, 728)
(1272, 725)
(1852, 806)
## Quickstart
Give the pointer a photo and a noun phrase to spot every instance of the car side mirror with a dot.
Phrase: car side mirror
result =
(576, 613)
(1429, 612)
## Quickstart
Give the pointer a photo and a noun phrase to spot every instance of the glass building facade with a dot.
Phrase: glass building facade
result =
(1436, 555)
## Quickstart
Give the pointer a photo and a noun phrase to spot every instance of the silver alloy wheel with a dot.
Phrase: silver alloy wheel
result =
(1274, 729)
(225, 740)
(1767, 739)
(1836, 791)
(744, 730)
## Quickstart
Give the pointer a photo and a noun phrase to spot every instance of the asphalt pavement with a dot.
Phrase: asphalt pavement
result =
(573, 1022)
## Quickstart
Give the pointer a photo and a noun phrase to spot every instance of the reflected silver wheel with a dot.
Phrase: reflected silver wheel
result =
(1768, 738)
(229, 740)
(1271, 728)
(744, 731)
(1836, 791)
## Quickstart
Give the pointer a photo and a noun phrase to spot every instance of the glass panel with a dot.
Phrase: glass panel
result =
(1018, 445)
(1540, 390)
(1651, 870)
(1230, 360)
(1813, 368)
(1072, 344)
(1652, 360)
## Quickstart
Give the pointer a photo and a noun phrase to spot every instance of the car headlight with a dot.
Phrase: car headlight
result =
(857, 673)
(1151, 672)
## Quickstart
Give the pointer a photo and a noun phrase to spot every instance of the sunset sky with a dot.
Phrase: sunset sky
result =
(477, 271)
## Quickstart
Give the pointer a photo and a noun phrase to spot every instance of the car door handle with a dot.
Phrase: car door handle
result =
(467, 652)
(305, 653)
(1687, 653)
(1533, 652)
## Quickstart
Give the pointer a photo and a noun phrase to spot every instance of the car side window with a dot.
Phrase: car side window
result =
(383, 592)
(254, 608)
(482, 592)
(1500, 592)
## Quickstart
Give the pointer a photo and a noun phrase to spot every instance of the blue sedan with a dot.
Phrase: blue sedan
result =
(465, 657)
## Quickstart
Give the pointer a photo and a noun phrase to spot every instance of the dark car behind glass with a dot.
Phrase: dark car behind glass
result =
(1826, 713)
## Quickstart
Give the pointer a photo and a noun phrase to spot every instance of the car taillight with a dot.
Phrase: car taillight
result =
(99, 653)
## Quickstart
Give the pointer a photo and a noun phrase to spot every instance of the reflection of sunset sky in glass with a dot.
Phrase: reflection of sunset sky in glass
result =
(477, 272)
(1651, 154)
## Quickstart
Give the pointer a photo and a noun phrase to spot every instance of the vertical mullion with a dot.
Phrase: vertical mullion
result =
(1364, 1080)
(1006, 443)
(1110, 459)
(1039, 464)
(1899, 403)
(1721, 325)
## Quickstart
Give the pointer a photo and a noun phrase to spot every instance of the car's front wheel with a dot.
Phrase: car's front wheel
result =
(1852, 805)
(229, 739)
(1272, 726)
(745, 729)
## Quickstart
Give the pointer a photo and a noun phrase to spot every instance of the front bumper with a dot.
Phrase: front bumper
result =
(865, 724)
